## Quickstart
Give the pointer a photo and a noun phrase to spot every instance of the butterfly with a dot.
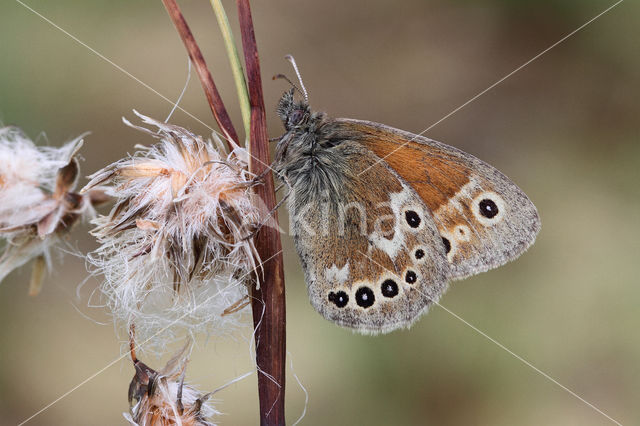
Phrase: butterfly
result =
(383, 219)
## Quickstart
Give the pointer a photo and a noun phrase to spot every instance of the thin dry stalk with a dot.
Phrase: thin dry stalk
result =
(268, 303)
(210, 90)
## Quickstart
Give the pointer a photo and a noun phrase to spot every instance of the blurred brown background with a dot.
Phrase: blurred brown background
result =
(565, 128)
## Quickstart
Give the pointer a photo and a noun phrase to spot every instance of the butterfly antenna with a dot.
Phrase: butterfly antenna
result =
(295, 68)
(284, 77)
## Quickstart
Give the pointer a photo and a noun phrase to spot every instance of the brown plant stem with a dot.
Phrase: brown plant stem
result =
(268, 303)
(210, 90)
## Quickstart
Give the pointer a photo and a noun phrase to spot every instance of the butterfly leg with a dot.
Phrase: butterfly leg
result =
(264, 222)
(257, 180)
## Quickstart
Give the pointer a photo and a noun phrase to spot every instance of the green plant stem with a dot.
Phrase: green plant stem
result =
(236, 65)
(210, 90)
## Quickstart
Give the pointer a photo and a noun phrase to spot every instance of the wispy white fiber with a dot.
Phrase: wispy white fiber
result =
(174, 249)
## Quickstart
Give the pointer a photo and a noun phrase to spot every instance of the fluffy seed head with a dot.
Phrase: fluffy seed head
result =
(37, 202)
(174, 251)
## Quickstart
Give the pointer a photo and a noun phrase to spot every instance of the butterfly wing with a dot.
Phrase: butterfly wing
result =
(484, 219)
(373, 258)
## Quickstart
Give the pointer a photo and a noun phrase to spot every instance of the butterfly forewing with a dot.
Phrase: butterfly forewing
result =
(483, 218)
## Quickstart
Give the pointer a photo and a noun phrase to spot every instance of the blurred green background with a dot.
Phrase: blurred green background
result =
(565, 128)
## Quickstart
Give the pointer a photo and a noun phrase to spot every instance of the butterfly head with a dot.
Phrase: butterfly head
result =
(293, 113)
(299, 123)
(299, 146)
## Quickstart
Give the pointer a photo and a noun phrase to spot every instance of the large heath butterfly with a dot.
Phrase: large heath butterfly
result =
(382, 219)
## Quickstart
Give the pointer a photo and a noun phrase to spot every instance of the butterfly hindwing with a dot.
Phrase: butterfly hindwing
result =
(372, 255)
(483, 218)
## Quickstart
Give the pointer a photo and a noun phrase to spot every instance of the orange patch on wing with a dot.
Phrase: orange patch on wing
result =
(434, 174)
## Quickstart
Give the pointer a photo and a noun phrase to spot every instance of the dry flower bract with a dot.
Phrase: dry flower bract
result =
(37, 202)
(160, 398)
(174, 249)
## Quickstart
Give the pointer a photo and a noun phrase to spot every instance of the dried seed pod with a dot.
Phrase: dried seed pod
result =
(160, 398)
(37, 203)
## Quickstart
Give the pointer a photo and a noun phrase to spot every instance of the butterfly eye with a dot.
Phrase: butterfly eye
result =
(340, 298)
(488, 208)
(365, 297)
(413, 218)
(389, 288)
(296, 117)
(411, 277)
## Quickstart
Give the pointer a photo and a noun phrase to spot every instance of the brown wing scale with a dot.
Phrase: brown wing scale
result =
(483, 218)
(374, 261)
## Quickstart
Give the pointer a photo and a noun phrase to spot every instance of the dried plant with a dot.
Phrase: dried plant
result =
(174, 249)
(37, 203)
(268, 302)
(160, 398)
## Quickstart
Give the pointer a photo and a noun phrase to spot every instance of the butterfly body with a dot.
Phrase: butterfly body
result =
(382, 219)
